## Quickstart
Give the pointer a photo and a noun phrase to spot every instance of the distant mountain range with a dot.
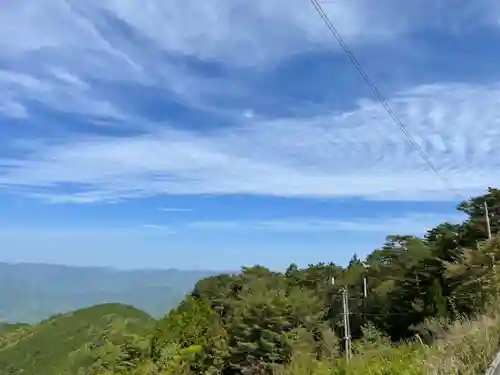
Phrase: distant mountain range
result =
(31, 292)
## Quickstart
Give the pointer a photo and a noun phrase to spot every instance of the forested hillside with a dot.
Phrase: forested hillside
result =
(72, 343)
(430, 308)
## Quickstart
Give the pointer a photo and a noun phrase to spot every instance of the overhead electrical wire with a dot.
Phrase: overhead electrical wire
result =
(376, 92)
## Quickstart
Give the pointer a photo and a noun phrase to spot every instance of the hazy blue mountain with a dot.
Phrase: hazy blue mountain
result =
(31, 292)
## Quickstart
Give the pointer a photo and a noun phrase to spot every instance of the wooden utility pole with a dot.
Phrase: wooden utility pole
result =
(492, 254)
(487, 217)
(346, 315)
(488, 228)
(365, 289)
(347, 328)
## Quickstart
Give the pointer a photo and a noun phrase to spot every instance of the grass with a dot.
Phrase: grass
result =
(465, 347)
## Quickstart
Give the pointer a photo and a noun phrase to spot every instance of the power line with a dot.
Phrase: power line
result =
(375, 90)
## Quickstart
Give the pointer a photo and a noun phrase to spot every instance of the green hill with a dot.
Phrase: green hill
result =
(417, 306)
(74, 342)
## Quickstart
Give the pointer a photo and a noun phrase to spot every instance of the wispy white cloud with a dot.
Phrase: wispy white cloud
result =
(162, 229)
(175, 209)
(62, 92)
(214, 29)
(74, 42)
(243, 32)
(13, 109)
(356, 153)
(413, 223)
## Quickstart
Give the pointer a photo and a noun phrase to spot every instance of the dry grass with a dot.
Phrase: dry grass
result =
(465, 347)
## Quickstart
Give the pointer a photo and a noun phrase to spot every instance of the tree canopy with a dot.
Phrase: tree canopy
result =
(257, 320)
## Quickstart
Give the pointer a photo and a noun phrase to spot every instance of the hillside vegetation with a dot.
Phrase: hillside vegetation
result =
(431, 308)
(72, 343)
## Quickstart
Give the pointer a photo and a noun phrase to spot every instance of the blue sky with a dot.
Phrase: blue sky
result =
(224, 133)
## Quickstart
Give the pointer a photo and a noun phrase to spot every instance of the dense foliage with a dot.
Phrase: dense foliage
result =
(74, 343)
(264, 322)
(256, 321)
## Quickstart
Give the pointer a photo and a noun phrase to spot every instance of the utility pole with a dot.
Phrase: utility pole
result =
(487, 217)
(347, 328)
(488, 228)
(492, 254)
(346, 314)
(365, 289)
